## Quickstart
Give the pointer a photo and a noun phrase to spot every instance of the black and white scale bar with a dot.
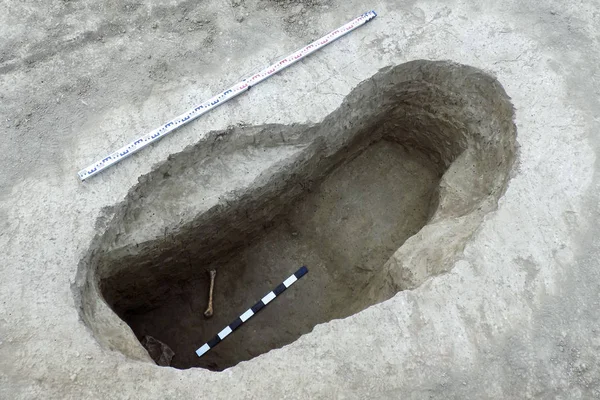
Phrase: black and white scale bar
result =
(251, 311)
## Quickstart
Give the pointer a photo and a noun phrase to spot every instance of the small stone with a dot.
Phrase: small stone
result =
(159, 351)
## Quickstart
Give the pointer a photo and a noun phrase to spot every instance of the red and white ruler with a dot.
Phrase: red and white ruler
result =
(221, 98)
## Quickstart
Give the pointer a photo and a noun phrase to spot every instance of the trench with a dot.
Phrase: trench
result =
(381, 195)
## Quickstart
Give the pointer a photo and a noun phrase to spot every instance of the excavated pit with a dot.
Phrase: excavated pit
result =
(381, 195)
(343, 229)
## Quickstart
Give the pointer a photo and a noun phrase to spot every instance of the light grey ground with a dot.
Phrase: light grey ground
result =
(517, 316)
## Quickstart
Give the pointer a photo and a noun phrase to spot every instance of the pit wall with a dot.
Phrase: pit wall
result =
(459, 116)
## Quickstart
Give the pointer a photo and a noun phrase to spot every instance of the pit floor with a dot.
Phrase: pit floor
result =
(344, 231)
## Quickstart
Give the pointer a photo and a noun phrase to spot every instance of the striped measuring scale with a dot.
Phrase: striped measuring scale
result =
(267, 298)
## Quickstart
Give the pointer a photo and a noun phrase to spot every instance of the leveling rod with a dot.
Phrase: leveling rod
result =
(223, 97)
